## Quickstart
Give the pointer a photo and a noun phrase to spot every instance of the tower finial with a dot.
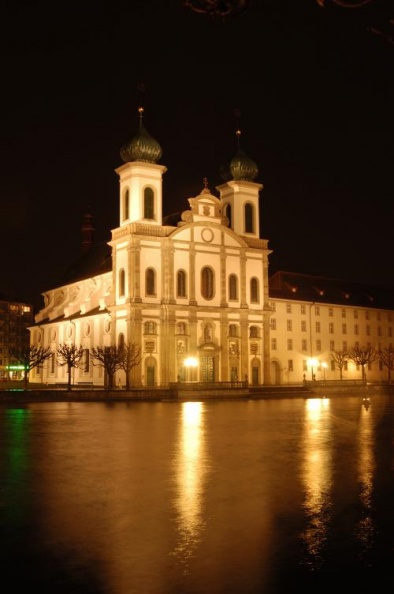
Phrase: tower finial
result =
(205, 190)
(141, 91)
(237, 113)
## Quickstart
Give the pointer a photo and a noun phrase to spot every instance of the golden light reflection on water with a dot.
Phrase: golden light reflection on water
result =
(365, 530)
(190, 467)
(317, 478)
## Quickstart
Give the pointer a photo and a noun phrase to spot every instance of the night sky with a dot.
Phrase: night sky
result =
(314, 85)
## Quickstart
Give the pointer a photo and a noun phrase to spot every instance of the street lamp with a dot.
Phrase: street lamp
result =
(312, 363)
(190, 363)
(324, 365)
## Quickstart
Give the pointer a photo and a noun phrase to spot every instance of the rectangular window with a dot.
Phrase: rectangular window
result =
(332, 365)
(317, 326)
(368, 330)
(355, 314)
(344, 313)
(317, 310)
(304, 365)
(273, 344)
(288, 308)
(318, 345)
(289, 344)
(290, 365)
(332, 345)
(355, 328)
(273, 324)
(303, 326)
(273, 306)
(303, 309)
(344, 329)
(304, 345)
(344, 346)
(330, 312)
(289, 325)
(331, 328)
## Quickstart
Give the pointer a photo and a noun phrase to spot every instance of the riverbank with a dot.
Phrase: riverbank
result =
(187, 392)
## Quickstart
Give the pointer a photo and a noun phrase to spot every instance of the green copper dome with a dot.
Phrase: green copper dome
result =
(142, 147)
(241, 167)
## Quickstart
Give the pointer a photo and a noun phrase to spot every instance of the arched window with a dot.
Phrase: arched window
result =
(228, 214)
(254, 332)
(254, 290)
(232, 287)
(233, 330)
(249, 222)
(149, 212)
(150, 280)
(181, 284)
(181, 328)
(126, 205)
(121, 341)
(207, 282)
(122, 282)
(150, 328)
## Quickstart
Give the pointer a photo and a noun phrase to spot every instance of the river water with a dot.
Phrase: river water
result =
(222, 497)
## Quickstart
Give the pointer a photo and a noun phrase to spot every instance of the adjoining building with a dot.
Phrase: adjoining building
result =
(195, 296)
(16, 317)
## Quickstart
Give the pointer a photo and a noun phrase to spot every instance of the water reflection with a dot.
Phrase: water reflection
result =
(190, 471)
(317, 478)
(366, 529)
(265, 497)
(16, 463)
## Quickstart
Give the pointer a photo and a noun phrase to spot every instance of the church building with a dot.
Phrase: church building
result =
(196, 296)
(193, 297)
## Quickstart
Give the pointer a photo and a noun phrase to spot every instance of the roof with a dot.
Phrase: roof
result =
(320, 289)
(94, 261)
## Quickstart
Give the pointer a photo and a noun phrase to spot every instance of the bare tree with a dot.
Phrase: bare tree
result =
(30, 357)
(363, 355)
(70, 355)
(386, 357)
(340, 358)
(130, 356)
(110, 359)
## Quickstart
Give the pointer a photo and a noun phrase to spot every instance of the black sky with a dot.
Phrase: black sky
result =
(314, 86)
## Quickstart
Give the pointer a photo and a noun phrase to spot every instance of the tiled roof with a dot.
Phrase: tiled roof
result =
(320, 289)
(93, 262)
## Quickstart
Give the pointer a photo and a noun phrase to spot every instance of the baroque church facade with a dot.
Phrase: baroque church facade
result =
(196, 296)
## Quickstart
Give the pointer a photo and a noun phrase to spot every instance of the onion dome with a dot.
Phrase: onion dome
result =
(142, 147)
(242, 167)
